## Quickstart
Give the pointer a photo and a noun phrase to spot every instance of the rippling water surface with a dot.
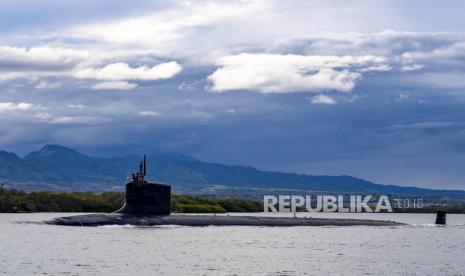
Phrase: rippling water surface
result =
(420, 248)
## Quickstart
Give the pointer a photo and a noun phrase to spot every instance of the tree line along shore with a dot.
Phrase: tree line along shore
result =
(17, 201)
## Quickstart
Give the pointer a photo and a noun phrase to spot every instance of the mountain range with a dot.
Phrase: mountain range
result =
(56, 167)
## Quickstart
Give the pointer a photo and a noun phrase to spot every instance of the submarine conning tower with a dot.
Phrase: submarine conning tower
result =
(144, 198)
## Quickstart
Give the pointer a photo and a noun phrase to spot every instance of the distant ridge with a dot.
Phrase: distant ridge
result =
(56, 167)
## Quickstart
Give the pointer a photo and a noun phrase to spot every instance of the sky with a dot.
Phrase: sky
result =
(372, 89)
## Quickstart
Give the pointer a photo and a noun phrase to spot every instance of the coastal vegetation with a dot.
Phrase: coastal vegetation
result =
(21, 201)
(17, 201)
(450, 209)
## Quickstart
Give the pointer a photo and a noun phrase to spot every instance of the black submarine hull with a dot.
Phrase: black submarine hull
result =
(209, 220)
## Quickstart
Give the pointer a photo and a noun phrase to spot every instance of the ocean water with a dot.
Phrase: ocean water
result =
(421, 248)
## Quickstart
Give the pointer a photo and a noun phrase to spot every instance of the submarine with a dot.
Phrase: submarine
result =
(149, 204)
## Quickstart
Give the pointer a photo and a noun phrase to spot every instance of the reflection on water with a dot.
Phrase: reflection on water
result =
(420, 248)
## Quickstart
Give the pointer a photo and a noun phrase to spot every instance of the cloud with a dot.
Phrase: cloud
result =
(114, 85)
(322, 99)
(9, 106)
(453, 79)
(273, 73)
(420, 130)
(122, 71)
(80, 120)
(420, 126)
(413, 67)
(412, 59)
(200, 33)
(149, 113)
(79, 106)
(46, 59)
(167, 25)
(47, 85)
(61, 62)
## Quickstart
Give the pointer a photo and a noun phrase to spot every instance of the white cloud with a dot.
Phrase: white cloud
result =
(377, 68)
(47, 85)
(201, 32)
(39, 59)
(114, 85)
(322, 99)
(413, 67)
(157, 29)
(122, 71)
(149, 113)
(445, 51)
(79, 106)
(48, 61)
(272, 73)
(6, 76)
(80, 120)
(9, 106)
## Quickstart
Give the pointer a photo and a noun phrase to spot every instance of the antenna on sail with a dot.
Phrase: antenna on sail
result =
(145, 165)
